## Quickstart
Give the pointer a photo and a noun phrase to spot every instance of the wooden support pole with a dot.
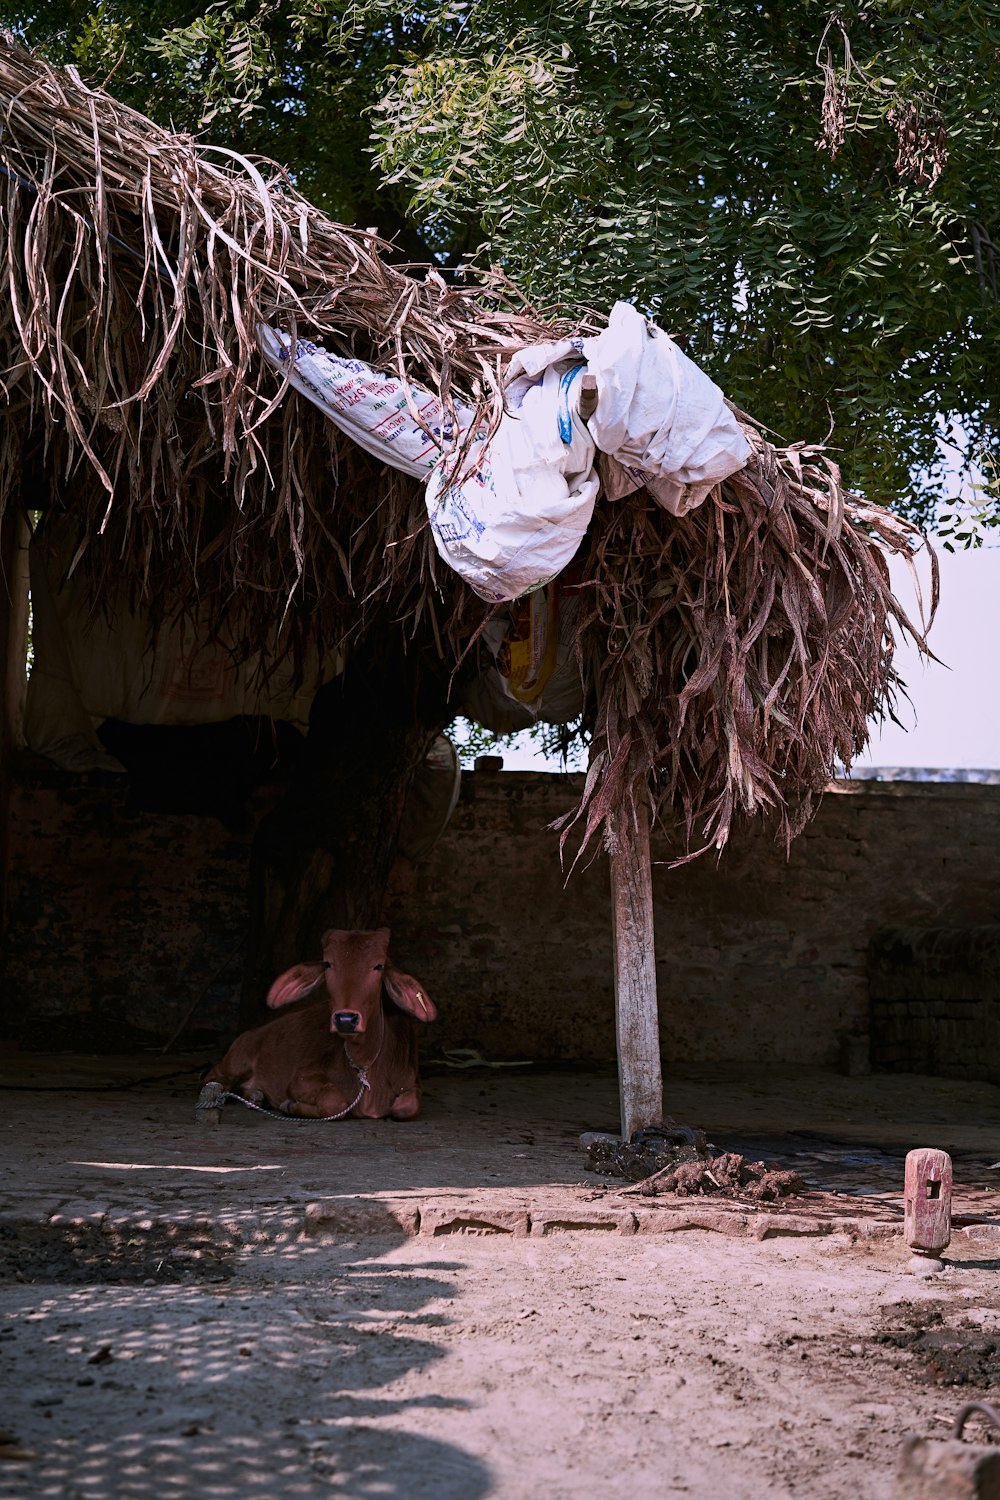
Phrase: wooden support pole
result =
(640, 1078)
(588, 396)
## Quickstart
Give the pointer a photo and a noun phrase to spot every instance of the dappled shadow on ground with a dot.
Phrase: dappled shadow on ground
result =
(271, 1383)
(353, 1461)
(80, 1253)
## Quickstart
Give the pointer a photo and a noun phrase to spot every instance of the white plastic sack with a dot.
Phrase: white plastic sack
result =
(371, 408)
(518, 519)
(658, 415)
(660, 419)
(524, 500)
(519, 516)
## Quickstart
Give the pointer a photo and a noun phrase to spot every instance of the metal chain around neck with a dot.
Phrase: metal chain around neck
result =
(362, 1072)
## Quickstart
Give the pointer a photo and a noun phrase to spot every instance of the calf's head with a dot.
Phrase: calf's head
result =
(355, 967)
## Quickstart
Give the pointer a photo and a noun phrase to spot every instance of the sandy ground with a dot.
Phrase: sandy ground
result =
(573, 1366)
(278, 1361)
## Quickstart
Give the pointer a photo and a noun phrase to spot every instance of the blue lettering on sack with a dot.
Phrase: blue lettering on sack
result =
(458, 523)
(448, 533)
(565, 416)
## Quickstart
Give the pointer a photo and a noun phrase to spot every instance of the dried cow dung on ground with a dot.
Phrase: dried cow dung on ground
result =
(672, 1158)
(730, 1173)
(650, 1150)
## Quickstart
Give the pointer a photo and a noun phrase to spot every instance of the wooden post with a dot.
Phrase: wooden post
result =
(640, 1078)
(588, 396)
(927, 1208)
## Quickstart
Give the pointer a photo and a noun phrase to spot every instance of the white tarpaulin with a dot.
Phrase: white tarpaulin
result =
(87, 668)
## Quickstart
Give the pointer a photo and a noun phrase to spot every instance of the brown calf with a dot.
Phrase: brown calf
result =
(352, 1051)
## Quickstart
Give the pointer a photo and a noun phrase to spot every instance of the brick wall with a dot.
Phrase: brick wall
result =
(935, 1001)
(757, 957)
(117, 922)
(123, 920)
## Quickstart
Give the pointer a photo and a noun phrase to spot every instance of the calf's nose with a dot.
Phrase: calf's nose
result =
(347, 1021)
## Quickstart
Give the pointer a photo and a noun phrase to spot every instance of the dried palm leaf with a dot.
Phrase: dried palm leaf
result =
(729, 659)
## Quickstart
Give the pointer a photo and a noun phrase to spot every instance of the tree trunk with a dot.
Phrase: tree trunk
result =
(323, 856)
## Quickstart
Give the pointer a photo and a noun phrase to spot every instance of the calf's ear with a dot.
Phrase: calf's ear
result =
(295, 983)
(408, 993)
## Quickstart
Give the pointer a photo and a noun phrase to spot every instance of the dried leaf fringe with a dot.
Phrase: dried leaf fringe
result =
(729, 659)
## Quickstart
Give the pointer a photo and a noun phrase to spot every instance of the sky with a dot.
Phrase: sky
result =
(954, 721)
(955, 717)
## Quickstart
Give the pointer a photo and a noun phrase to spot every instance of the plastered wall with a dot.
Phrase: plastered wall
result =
(758, 957)
(123, 922)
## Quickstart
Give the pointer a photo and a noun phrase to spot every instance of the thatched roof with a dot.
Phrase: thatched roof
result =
(729, 658)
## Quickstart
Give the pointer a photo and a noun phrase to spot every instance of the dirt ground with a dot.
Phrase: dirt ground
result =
(453, 1309)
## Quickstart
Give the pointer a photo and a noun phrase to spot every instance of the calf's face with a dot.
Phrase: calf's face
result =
(355, 966)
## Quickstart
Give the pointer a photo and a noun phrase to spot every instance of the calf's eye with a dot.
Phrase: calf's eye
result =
(379, 968)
